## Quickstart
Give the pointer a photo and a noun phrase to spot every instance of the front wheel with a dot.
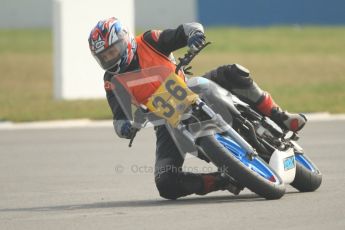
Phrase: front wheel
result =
(254, 174)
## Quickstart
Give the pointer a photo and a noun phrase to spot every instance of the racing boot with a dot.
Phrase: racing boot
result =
(218, 181)
(287, 121)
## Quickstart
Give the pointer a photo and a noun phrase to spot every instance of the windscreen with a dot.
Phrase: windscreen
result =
(158, 96)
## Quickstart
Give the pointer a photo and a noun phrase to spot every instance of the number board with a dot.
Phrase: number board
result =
(289, 163)
(171, 99)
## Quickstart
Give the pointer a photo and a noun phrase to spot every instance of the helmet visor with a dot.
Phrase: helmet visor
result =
(109, 57)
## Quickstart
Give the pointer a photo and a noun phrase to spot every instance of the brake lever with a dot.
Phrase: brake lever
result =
(187, 70)
(139, 122)
(134, 133)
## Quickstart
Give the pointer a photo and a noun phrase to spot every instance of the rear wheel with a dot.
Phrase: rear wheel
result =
(254, 173)
(308, 177)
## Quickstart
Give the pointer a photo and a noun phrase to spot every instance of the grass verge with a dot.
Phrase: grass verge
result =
(303, 68)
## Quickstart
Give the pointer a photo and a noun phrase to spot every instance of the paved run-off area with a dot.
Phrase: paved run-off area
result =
(86, 178)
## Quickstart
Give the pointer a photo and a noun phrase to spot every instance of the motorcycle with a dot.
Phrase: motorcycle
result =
(207, 120)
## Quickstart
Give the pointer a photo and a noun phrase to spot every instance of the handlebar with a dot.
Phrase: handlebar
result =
(189, 56)
(134, 133)
(139, 119)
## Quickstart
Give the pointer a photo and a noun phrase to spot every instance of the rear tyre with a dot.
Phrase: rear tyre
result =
(308, 177)
(225, 159)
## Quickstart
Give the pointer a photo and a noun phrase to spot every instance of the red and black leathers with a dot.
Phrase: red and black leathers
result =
(161, 42)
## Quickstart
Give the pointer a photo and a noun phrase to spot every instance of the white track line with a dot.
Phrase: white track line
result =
(87, 123)
(325, 116)
(60, 124)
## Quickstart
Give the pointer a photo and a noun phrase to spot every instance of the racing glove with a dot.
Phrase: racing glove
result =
(196, 39)
(123, 128)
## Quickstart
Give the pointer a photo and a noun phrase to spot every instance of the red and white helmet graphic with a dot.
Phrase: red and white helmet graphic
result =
(112, 45)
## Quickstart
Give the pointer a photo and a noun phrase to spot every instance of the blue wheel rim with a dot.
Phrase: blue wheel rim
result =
(257, 164)
(305, 162)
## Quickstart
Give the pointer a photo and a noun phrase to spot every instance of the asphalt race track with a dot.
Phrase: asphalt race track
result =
(86, 178)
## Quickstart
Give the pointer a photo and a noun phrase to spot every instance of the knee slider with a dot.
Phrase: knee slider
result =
(166, 184)
(238, 76)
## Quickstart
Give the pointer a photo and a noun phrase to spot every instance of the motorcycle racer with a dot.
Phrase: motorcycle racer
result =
(117, 51)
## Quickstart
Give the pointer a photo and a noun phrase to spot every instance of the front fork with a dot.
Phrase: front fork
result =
(220, 126)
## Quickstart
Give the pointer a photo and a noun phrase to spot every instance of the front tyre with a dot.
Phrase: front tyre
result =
(308, 177)
(258, 177)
